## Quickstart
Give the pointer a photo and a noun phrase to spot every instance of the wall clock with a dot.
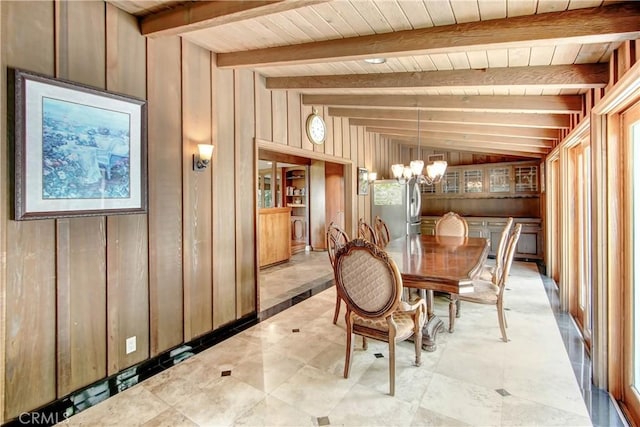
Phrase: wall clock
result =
(316, 128)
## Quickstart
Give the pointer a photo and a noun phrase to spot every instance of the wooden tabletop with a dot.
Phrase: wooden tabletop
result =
(439, 263)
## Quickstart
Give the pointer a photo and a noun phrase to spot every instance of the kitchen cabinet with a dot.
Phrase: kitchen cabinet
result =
(275, 244)
(514, 179)
(486, 190)
(297, 198)
(530, 244)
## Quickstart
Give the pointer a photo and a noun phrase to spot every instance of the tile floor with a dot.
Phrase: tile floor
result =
(282, 282)
(287, 370)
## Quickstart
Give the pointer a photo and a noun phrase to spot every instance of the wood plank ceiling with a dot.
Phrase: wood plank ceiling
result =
(483, 76)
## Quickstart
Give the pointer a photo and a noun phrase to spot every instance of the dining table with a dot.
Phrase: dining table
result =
(445, 264)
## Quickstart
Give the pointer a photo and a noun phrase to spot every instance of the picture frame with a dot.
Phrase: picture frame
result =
(363, 181)
(78, 150)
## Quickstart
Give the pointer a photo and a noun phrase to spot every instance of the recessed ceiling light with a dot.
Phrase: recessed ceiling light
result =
(375, 60)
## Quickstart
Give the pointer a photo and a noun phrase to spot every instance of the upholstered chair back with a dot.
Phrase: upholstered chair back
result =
(452, 224)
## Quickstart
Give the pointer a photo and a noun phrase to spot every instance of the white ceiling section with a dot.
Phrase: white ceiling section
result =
(504, 72)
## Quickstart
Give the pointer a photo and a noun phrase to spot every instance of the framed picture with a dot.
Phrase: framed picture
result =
(363, 182)
(79, 150)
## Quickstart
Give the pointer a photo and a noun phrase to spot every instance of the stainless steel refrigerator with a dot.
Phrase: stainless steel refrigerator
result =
(398, 205)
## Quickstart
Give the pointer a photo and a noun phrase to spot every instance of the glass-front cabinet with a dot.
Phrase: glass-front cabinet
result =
(473, 182)
(526, 179)
(500, 179)
(486, 195)
(450, 182)
(490, 180)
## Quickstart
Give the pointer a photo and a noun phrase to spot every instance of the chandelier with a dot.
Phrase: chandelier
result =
(435, 170)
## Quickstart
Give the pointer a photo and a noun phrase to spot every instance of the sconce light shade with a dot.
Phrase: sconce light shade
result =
(203, 157)
(372, 176)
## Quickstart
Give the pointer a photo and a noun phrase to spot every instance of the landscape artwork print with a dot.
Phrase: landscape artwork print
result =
(78, 150)
(85, 152)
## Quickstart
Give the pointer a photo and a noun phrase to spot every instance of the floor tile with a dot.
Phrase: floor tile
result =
(281, 377)
(135, 406)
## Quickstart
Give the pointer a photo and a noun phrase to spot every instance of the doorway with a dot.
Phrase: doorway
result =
(314, 191)
(283, 182)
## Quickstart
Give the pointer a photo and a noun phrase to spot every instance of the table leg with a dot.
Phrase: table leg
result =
(428, 296)
(430, 331)
(432, 326)
(453, 310)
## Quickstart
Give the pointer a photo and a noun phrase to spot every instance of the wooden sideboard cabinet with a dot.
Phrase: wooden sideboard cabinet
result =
(530, 244)
(275, 240)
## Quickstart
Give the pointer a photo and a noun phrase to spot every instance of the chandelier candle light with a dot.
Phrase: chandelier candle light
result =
(435, 170)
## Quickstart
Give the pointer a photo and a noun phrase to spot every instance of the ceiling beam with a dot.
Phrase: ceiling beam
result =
(583, 76)
(613, 23)
(205, 14)
(516, 144)
(560, 104)
(533, 133)
(526, 120)
(458, 146)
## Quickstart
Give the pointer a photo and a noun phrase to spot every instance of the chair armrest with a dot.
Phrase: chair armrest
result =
(486, 273)
(417, 306)
(413, 305)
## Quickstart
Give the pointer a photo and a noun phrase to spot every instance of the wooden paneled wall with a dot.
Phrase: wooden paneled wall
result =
(28, 283)
(224, 193)
(280, 120)
(76, 287)
(73, 290)
(165, 194)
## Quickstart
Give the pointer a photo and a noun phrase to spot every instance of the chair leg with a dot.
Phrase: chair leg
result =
(453, 299)
(392, 367)
(417, 341)
(337, 310)
(502, 321)
(457, 308)
(349, 351)
(365, 345)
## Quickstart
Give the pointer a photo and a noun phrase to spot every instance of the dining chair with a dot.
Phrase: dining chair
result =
(367, 232)
(488, 292)
(489, 271)
(452, 224)
(382, 232)
(370, 284)
(336, 238)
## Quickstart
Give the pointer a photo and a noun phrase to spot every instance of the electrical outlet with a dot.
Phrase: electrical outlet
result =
(131, 344)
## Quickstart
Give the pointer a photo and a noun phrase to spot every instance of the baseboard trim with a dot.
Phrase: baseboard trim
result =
(61, 409)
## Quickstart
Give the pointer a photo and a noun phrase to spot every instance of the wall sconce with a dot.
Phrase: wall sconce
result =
(372, 176)
(202, 158)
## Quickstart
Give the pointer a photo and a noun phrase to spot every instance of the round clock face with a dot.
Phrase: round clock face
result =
(316, 130)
